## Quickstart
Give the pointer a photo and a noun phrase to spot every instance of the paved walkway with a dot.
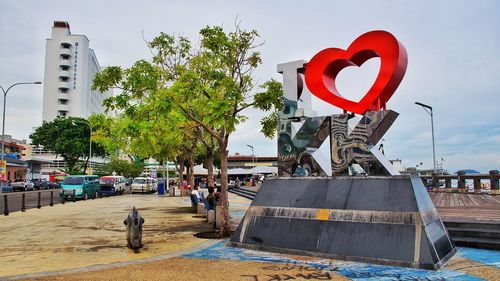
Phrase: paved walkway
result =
(85, 241)
(92, 232)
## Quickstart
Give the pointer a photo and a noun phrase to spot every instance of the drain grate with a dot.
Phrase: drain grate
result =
(209, 235)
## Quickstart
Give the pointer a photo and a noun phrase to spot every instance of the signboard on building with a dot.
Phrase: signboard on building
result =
(3, 169)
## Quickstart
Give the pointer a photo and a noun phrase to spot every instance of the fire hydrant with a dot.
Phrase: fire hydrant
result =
(134, 223)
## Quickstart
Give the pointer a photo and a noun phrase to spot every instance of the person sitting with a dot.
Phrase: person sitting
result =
(196, 193)
(211, 200)
(218, 194)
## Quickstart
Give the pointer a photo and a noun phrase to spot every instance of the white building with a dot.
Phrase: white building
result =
(70, 66)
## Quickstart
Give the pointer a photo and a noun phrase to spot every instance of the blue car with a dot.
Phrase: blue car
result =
(6, 188)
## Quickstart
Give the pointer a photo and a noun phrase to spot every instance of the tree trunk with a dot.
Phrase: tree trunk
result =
(85, 165)
(190, 173)
(180, 160)
(210, 168)
(163, 172)
(225, 230)
(70, 164)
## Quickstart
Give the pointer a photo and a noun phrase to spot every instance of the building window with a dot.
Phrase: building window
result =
(64, 90)
(76, 43)
(62, 113)
(64, 67)
(65, 57)
(64, 79)
(63, 101)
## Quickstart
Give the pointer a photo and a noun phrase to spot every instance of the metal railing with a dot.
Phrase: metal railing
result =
(20, 201)
(481, 183)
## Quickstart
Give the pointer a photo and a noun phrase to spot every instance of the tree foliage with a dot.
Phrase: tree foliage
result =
(68, 138)
(217, 86)
(121, 167)
(200, 94)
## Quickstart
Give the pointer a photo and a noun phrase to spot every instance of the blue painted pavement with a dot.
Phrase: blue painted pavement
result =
(352, 270)
(488, 257)
(238, 214)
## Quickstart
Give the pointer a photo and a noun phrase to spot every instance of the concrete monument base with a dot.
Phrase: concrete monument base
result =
(385, 220)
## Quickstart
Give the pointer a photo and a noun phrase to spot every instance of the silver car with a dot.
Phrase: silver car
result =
(22, 185)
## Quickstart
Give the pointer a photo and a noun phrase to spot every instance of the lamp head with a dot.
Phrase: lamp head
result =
(423, 105)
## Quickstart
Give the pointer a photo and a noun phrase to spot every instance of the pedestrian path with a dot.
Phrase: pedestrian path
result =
(468, 264)
(92, 232)
(69, 248)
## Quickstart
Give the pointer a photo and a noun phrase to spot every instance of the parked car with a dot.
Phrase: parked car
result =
(44, 184)
(54, 185)
(36, 183)
(129, 181)
(22, 185)
(6, 188)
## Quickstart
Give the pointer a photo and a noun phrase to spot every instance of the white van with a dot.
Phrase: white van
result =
(112, 185)
(143, 184)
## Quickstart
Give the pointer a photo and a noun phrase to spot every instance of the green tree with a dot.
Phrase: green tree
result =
(211, 87)
(68, 138)
(216, 88)
(143, 123)
(121, 167)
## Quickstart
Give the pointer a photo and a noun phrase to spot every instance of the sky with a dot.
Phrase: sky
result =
(453, 61)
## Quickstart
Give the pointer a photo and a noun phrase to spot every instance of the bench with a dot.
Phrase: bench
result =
(203, 208)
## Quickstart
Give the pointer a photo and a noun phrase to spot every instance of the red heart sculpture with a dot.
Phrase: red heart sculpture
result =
(324, 67)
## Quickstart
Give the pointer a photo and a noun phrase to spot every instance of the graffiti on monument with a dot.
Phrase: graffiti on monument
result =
(310, 145)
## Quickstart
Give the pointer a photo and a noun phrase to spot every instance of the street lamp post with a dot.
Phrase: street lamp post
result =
(3, 117)
(90, 144)
(428, 109)
(168, 178)
(253, 155)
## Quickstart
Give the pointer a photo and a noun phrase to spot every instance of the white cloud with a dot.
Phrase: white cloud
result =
(452, 48)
